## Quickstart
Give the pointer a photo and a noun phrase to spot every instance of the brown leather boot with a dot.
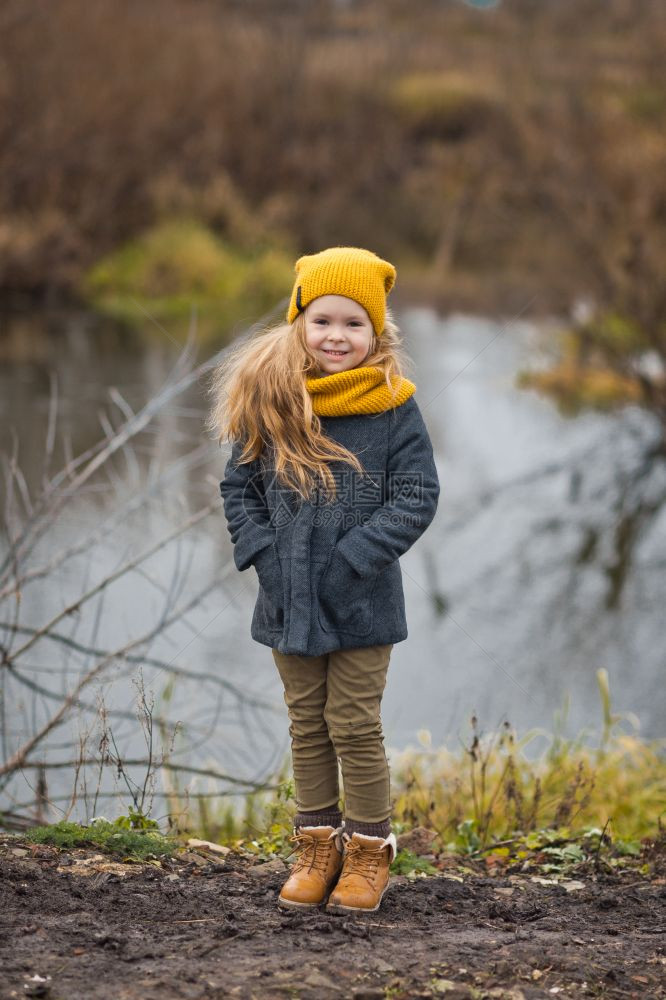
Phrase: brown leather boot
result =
(365, 873)
(316, 867)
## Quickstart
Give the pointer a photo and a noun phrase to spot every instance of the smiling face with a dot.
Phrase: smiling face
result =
(338, 331)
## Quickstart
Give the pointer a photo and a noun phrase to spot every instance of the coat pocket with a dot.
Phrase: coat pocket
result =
(345, 598)
(271, 590)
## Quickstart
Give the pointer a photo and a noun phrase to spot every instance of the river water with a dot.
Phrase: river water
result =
(545, 561)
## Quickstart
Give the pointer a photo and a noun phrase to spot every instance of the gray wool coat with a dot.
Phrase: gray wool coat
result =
(329, 573)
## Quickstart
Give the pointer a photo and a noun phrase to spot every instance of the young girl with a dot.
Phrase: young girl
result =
(331, 479)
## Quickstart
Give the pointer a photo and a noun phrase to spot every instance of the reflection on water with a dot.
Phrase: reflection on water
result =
(520, 590)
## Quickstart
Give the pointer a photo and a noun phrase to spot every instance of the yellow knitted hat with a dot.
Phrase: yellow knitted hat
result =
(359, 274)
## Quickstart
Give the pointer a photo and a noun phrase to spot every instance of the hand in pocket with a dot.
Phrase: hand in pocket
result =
(345, 598)
(269, 571)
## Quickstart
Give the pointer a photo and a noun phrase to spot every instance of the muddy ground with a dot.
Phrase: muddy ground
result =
(206, 926)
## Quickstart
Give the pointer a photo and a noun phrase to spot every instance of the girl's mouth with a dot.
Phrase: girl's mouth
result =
(335, 354)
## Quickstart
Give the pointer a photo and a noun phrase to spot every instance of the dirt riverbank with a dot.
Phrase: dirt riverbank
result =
(201, 926)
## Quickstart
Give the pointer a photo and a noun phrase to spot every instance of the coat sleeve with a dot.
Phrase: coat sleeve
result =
(412, 494)
(245, 508)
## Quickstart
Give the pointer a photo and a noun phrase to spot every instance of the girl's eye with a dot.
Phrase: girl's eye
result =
(352, 322)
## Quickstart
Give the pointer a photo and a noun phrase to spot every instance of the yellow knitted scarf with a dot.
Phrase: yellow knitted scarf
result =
(359, 390)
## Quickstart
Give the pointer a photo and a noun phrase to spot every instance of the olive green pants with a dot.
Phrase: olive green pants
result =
(333, 703)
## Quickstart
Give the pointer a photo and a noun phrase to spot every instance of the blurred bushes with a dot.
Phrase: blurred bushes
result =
(180, 263)
(443, 105)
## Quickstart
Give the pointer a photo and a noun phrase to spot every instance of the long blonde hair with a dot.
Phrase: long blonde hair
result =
(260, 398)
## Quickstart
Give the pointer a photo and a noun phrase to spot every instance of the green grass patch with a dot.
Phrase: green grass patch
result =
(134, 845)
(407, 863)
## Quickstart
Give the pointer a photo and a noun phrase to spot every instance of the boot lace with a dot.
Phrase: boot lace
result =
(360, 860)
(314, 853)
